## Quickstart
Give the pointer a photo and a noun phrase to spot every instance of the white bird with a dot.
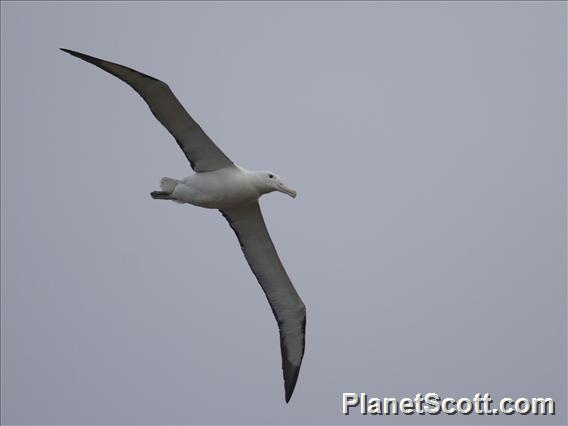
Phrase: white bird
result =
(218, 183)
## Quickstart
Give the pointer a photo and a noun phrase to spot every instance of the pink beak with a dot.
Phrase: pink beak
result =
(283, 188)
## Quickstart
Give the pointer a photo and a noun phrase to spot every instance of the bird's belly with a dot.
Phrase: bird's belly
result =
(212, 196)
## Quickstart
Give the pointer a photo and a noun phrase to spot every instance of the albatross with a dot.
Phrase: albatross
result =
(219, 183)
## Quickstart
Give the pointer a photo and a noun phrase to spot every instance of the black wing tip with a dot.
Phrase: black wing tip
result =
(291, 373)
(101, 63)
(82, 56)
(72, 52)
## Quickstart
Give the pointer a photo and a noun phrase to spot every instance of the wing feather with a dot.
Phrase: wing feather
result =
(200, 150)
(287, 307)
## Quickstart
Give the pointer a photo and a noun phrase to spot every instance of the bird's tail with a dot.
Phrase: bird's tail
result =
(167, 186)
(161, 195)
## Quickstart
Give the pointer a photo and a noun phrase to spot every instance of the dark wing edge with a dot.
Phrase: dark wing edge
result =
(199, 149)
(287, 306)
(290, 371)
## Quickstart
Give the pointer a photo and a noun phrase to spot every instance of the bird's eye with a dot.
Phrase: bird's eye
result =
(270, 176)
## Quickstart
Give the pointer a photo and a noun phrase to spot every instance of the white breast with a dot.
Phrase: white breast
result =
(219, 189)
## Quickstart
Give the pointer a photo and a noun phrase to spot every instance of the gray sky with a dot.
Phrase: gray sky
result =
(428, 145)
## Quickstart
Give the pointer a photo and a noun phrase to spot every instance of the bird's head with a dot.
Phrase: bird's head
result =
(272, 182)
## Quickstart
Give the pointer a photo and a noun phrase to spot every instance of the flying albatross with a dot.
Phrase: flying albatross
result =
(218, 183)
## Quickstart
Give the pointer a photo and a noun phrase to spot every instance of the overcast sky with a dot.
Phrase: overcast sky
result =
(427, 142)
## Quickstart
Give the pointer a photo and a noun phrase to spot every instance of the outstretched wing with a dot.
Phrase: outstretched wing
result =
(202, 153)
(288, 308)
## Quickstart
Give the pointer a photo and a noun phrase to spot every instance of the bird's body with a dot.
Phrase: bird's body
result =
(225, 188)
(218, 183)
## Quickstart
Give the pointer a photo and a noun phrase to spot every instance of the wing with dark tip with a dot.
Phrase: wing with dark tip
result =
(288, 308)
(202, 153)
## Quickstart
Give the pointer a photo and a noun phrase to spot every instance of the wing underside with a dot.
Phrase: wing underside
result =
(198, 148)
(288, 309)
